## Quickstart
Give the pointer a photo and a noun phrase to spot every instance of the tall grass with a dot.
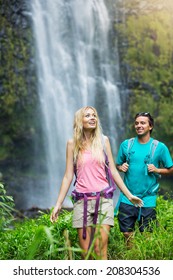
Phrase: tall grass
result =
(157, 245)
(39, 239)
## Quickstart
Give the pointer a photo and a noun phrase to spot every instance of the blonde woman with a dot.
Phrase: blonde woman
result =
(85, 152)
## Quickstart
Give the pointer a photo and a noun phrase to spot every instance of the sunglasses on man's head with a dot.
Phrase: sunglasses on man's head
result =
(143, 114)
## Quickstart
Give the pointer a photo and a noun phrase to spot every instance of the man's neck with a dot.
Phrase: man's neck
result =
(144, 138)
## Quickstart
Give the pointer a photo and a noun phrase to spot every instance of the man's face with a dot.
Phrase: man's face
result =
(142, 126)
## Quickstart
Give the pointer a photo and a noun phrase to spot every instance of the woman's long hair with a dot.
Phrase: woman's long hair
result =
(79, 137)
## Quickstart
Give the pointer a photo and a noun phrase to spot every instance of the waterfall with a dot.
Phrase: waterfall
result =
(77, 62)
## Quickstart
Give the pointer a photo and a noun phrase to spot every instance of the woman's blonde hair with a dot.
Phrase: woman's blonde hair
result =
(79, 137)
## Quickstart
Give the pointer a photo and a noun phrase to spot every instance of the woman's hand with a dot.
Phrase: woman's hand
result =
(136, 201)
(55, 213)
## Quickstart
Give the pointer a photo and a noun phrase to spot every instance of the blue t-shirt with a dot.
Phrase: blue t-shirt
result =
(137, 179)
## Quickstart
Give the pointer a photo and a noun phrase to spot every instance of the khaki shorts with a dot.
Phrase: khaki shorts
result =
(105, 212)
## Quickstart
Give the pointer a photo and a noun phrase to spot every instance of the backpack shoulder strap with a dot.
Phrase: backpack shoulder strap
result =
(107, 168)
(75, 173)
(154, 145)
(104, 149)
(129, 146)
(130, 143)
(103, 142)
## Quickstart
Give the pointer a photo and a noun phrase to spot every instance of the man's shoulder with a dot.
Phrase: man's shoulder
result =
(127, 143)
(124, 143)
(127, 140)
(159, 144)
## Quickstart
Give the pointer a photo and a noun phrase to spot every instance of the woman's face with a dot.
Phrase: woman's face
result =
(89, 119)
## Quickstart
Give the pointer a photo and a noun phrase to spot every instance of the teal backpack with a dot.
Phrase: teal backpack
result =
(153, 147)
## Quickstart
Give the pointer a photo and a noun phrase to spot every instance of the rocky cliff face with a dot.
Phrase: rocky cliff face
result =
(19, 122)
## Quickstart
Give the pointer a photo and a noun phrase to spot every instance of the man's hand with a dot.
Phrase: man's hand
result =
(152, 168)
(124, 167)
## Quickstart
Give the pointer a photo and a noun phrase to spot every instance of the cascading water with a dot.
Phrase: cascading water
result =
(77, 66)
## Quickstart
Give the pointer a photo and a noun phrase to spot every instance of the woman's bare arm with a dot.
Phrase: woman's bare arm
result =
(117, 178)
(66, 181)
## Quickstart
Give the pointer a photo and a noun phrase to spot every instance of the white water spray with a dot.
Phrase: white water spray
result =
(76, 68)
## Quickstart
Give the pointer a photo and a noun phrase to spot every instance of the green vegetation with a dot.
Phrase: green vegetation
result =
(147, 62)
(39, 239)
(6, 208)
(18, 97)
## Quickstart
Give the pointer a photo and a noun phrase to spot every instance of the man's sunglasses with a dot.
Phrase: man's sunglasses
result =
(143, 114)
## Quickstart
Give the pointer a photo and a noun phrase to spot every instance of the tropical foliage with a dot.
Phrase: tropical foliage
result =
(18, 96)
(39, 239)
(147, 62)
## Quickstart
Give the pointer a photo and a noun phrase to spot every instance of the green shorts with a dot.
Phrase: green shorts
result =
(105, 212)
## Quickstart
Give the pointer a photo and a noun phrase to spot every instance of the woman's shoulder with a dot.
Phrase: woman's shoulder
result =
(105, 140)
(105, 137)
(70, 143)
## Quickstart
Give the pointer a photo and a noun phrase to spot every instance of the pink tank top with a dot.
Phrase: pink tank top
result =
(91, 175)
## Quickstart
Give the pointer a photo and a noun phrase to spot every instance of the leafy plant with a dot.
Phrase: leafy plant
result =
(39, 239)
(6, 208)
(146, 52)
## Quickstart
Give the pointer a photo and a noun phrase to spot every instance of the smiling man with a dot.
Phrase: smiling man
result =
(143, 160)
